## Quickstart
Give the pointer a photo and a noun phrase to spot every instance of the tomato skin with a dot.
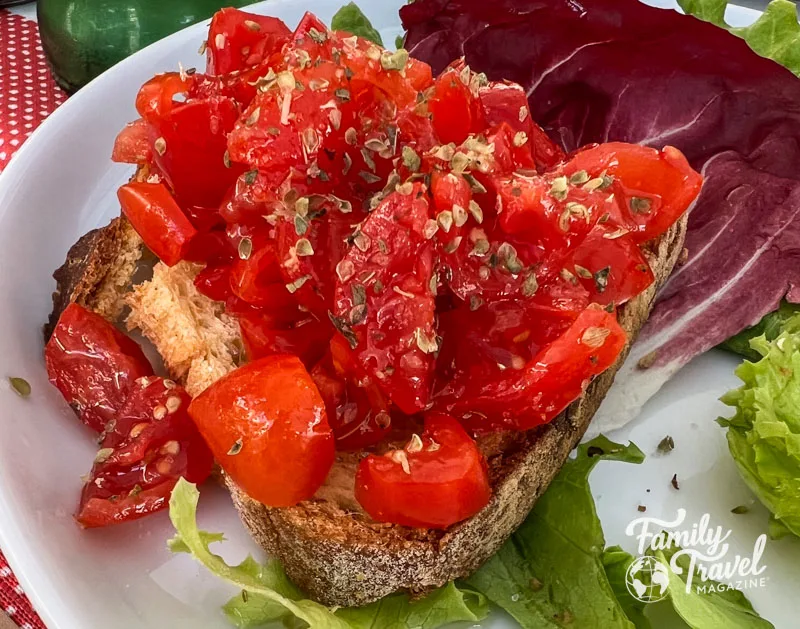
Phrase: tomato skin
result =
(257, 280)
(455, 111)
(93, 365)
(246, 40)
(445, 483)
(156, 97)
(389, 316)
(266, 425)
(307, 338)
(356, 424)
(214, 282)
(151, 443)
(193, 157)
(663, 179)
(132, 145)
(618, 267)
(155, 215)
(534, 395)
(506, 102)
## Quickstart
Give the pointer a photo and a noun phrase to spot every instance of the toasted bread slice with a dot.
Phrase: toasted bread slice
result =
(328, 545)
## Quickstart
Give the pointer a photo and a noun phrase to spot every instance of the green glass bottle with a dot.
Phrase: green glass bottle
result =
(82, 38)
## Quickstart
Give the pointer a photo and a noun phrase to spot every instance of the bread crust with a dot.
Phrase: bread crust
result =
(341, 558)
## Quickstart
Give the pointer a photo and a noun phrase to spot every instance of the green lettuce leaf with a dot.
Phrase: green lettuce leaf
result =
(550, 572)
(711, 607)
(616, 563)
(268, 594)
(775, 35)
(770, 326)
(350, 19)
(764, 433)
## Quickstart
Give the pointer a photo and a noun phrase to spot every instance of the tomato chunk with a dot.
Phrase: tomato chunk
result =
(149, 445)
(163, 226)
(305, 337)
(385, 300)
(93, 365)
(359, 418)
(611, 266)
(654, 188)
(534, 393)
(132, 145)
(189, 145)
(506, 102)
(438, 479)
(266, 425)
(454, 109)
(238, 40)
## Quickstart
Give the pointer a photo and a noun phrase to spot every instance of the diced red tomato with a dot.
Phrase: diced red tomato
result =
(536, 392)
(384, 301)
(214, 281)
(190, 143)
(156, 98)
(93, 364)
(155, 215)
(438, 479)
(502, 335)
(455, 111)
(654, 188)
(148, 446)
(132, 145)
(238, 40)
(359, 418)
(310, 246)
(306, 337)
(266, 425)
(611, 266)
(257, 278)
(506, 102)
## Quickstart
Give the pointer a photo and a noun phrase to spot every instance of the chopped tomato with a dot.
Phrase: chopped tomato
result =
(238, 40)
(506, 102)
(190, 144)
(214, 281)
(266, 425)
(611, 266)
(155, 215)
(479, 343)
(93, 364)
(548, 212)
(455, 110)
(286, 125)
(306, 337)
(156, 98)
(654, 188)
(359, 418)
(436, 480)
(534, 393)
(310, 246)
(148, 446)
(132, 145)
(256, 277)
(384, 300)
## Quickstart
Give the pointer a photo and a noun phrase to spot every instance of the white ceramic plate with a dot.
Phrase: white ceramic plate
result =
(62, 184)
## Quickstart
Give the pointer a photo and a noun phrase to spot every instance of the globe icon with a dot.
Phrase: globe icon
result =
(647, 579)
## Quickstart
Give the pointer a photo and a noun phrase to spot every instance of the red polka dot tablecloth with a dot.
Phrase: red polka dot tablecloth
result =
(28, 95)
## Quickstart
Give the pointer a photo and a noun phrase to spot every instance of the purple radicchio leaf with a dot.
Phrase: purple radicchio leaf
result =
(620, 70)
